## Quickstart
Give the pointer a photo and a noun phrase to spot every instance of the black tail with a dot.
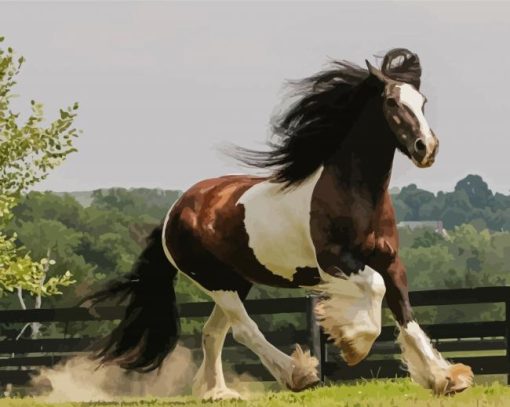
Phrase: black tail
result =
(150, 327)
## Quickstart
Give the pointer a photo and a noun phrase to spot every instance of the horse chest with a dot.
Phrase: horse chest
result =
(345, 225)
(278, 226)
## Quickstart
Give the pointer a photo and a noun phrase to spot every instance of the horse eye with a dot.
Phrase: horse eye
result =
(391, 102)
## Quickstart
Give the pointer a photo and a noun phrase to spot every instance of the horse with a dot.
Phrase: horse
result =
(321, 219)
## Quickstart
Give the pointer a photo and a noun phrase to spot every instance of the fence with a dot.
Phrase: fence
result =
(486, 343)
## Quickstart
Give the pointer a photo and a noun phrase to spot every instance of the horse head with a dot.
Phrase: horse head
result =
(403, 105)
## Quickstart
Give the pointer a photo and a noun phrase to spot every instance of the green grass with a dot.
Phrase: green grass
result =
(397, 393)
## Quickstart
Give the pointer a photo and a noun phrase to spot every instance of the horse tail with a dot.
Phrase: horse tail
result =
(150, 328)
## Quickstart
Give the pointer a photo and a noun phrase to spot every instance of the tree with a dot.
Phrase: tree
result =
(457, 209)
(476, 189)
(135, 201)
(402, 211)
(46, 205)
(29, 150)
(414, 198)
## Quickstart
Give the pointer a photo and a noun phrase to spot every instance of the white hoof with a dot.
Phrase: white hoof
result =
(221, 393)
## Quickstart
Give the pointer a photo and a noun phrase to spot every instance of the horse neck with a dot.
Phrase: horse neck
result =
(365, 158)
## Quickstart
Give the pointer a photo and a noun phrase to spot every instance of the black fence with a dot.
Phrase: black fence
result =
(484, 345)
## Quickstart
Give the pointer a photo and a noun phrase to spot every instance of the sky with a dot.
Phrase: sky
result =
(163, 85)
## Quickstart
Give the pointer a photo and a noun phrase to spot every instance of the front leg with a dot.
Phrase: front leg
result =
(350, 312)
(425, 364)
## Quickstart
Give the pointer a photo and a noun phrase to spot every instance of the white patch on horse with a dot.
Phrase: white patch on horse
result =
(414, 100)
(278, 225)
(351, 312)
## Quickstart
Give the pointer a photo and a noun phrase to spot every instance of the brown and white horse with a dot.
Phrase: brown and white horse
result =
(322, 220)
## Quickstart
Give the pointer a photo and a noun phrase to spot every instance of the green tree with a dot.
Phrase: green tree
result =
(476, 189)
(457, 209)
(427, 238)
(46, 205)
(402, 211)
(414, 198)
(152, 203)
(472, 202)
(29, 150)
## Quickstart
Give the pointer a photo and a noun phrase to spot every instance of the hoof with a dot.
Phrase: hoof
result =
(459, 378)
(304, 374)
(221, 394)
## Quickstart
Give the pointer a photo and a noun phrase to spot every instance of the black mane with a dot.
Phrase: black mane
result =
(311, 129)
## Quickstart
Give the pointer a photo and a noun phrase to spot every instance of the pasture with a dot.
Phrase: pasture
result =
(377, 393)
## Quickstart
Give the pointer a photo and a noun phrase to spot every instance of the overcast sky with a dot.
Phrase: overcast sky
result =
(161, 85)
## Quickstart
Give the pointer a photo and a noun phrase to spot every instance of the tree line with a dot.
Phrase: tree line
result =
(472, 201)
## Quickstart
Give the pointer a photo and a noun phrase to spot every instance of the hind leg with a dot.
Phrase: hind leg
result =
(209, 382)
(296, 372)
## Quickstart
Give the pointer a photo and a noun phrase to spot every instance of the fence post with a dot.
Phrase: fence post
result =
(316, 338)
(507, 338)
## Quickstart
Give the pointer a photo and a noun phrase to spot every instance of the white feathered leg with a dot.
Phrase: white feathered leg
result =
(209, 382)
(295, 372)
(426, 365)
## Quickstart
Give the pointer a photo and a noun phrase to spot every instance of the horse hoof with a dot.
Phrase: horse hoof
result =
(221, 394)
(459, 378)
(304, 374)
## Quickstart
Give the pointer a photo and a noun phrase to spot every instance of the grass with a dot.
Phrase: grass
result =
(377, 393)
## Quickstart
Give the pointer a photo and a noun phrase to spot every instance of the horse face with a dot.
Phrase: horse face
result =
(403, 109)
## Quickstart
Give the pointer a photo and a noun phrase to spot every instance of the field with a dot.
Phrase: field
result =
(401, 393)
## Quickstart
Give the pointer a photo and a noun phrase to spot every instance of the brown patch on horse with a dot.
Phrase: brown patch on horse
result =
(352, 228)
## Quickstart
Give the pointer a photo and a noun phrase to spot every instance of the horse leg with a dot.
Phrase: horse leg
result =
(350, 313)
(296, 372)
(425, 364)
(209, 382)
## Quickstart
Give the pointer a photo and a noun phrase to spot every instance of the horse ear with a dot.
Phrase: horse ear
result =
(376, 72)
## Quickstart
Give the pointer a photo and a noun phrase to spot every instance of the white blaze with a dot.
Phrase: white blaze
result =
(414, 100)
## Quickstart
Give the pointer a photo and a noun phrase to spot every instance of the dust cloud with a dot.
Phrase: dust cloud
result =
(80, 379)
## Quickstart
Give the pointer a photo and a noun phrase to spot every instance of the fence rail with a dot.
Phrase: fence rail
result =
(20, 358)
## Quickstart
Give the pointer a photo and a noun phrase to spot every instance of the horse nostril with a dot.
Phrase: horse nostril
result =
(420, 146)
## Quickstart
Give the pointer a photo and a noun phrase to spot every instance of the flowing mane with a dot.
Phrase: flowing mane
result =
(312, 128)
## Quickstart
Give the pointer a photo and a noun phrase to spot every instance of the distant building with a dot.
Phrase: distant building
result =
(437, 225)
